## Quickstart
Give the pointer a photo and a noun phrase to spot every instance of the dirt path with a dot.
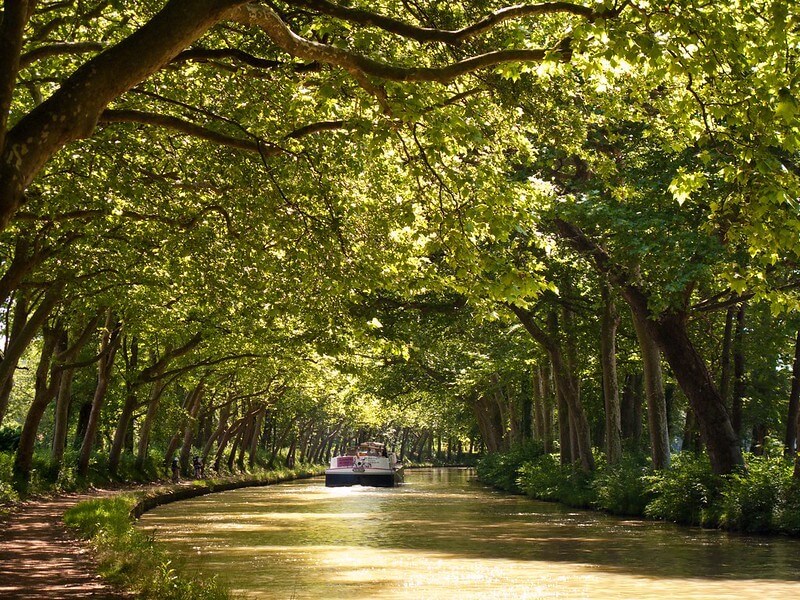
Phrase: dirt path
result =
(41, 558)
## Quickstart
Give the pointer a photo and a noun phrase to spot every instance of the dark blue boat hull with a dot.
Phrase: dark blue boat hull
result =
(373, 480)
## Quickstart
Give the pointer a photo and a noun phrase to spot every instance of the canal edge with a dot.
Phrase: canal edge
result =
(175, 493)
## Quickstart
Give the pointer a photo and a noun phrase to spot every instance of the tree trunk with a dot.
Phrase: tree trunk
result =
(796, 474)
(224, 412)
(20, 343)
(548, 407)
(503, 411)
(793, 416)
(695, 380)
(527, 417)
(563, 337)
(149, 421)
(670, 332)
(253, 446)
(44, 391)
(175, 440)
(654, 393)
(7, 383)
(248, 431)
(63, 397)
(190, 425)
(691, 433)
(725, 361)
(628, 410)
(739, 381)
(152, 373)
(61, 424)
(290, 453)
(128, 407)
(566, 383)
(280, 440)
(564, 430)
(609, 323)
(538, 404)
(110, 343)
(223, 443)
(403, 442)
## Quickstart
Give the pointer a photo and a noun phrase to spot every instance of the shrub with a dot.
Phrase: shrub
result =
(686, 493)
(622, 489)
(788, 517)
(9, 438)
(752, 501)
(7, 492)
(502, 469)
(546, 479)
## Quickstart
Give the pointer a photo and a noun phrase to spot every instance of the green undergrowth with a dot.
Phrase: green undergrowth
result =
(47, 478)
(131, 559)
(764, 499)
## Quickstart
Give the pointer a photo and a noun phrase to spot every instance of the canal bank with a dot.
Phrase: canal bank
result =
(132, 562)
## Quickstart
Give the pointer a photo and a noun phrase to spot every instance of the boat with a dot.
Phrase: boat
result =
(367, 464)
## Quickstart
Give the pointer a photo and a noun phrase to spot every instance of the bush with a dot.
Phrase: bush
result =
(788, 517)
(9, 438)
(8, 494)
(622, 489)
(546, 479)
(687, 493)
(502, 469)
(752, 501)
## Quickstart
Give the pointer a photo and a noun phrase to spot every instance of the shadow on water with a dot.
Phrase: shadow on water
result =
(444, 522)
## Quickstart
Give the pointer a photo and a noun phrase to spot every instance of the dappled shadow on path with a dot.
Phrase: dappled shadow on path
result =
(41, 558)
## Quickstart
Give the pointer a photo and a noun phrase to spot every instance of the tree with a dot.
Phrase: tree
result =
(73, 110)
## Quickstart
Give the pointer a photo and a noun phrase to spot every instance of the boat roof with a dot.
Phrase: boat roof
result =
(370, 445)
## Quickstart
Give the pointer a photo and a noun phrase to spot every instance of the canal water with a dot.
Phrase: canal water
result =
(444, 535)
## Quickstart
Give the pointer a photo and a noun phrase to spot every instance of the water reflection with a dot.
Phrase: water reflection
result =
(442, 535)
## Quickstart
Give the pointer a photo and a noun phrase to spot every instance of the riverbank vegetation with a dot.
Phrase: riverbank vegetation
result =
(134, 561)
(130, 559)
(765, 499)
(257, 233)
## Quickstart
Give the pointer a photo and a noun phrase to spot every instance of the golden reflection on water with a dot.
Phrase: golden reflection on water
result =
(441, 535)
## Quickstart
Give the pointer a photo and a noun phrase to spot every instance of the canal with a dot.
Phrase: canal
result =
(443, 535)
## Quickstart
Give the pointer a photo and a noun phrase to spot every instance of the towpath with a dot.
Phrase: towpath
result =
(40, 558)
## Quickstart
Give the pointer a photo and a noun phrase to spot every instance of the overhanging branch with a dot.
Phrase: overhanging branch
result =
(187, 127)
(451, 37)
(267, 20)
(41, 52)
(262, 147)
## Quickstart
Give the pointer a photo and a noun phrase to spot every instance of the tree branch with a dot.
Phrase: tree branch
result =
(429, 35)
(153, 372)
(315, 128)
(41, 52)
(267, 20)
(12, 27)
(72, 111)
(189, 128)
(208, 54)
(263, 148)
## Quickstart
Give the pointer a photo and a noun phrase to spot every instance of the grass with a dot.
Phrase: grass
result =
(130, 559)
